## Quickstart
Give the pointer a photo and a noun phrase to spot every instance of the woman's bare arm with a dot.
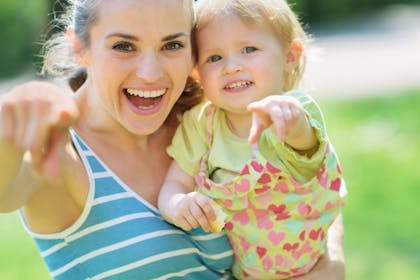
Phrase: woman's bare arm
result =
(34, 117)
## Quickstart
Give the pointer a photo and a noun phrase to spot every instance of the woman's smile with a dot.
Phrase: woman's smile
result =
(145, 101)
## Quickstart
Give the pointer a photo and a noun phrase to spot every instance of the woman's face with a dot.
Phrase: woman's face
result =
(138, 61)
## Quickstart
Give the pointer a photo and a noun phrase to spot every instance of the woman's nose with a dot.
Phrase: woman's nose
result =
(149, 67)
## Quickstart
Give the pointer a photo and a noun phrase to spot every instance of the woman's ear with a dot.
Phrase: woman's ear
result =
(293, 55)
(77, 47)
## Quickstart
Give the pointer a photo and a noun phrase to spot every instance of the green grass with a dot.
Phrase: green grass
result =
(19, 257)
(377, 141)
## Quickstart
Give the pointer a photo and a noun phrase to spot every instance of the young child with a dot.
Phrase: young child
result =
(258, 148)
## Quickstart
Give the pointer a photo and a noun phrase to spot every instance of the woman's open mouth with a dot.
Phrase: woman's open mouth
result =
(144, 99)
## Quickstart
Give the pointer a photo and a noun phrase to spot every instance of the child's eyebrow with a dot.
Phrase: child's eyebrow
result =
(208, 49)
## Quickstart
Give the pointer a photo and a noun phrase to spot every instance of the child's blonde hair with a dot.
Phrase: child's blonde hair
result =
(275, 13)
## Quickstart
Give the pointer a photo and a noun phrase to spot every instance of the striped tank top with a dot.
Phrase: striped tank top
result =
(119, 235)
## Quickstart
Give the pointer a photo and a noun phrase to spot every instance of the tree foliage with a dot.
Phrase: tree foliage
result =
(329, 11)
(21, 22)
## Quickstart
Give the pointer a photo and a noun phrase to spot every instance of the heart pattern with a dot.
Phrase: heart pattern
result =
(241, 217)
(276, 223)
(243, 186)
(264, 179)
(261, 251)
(335, 185)
(276, 237)
(271, 168)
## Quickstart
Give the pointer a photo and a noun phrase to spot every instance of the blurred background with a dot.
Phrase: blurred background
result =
(364, 70)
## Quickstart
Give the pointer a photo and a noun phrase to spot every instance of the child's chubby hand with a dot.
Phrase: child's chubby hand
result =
(192, 210)
(284, 112)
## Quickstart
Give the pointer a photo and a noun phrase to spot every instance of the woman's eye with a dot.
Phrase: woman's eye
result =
(173, 46)
(123, 47)
(249, 49)
(214, 58)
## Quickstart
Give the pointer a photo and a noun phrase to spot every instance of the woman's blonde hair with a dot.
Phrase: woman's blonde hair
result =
(275, 13)
(81, 15)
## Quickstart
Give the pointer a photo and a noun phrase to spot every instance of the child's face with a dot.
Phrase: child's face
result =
(138, 61)
(239, 63)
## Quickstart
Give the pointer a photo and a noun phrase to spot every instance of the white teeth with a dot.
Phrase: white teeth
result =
(146, 93)
(238, 85)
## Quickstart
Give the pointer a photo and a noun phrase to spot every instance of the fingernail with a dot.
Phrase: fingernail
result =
(65, 114)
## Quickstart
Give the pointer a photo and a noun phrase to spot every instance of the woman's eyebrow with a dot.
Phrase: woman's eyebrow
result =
(174, 36)
(134, 38)
(122, 35)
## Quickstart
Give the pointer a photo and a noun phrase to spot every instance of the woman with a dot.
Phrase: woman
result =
(86, 169)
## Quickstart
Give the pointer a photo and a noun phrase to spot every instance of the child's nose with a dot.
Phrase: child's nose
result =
(232, 66)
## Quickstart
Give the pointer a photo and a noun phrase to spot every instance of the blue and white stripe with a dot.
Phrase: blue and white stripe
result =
(121, 236)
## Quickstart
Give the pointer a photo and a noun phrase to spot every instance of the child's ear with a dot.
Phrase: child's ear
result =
(77, 47)
(293, 55)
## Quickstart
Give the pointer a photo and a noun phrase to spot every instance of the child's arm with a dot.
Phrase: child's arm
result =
(289, 120)
(180, 205)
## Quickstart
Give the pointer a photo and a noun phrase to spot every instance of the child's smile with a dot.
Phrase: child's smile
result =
(237, 86)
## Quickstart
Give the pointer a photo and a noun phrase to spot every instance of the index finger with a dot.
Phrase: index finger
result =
(205, 204)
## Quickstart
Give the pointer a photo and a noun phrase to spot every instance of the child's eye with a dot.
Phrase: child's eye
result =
(123, 47)
(249, 49)
(214, 58)
(173, 46)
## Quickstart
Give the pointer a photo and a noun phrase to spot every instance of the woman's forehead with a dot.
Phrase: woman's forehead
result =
(146, 6)
(143, 16)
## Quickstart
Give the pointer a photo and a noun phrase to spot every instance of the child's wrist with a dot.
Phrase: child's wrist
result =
(168, 210)
(306, 143)
(307, 152)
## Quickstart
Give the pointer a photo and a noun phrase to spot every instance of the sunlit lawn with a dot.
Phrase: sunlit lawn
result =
(19, 258)
(378, 143)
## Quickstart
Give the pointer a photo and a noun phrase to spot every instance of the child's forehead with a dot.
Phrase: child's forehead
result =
(231, 17)
(249, 15)
(236, 33)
